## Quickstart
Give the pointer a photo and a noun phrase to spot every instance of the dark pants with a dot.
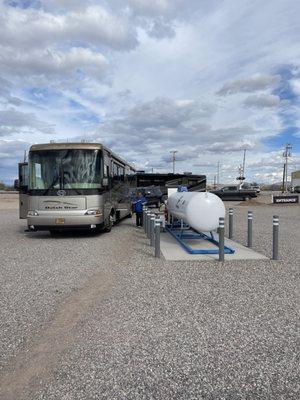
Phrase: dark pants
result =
(139, 218)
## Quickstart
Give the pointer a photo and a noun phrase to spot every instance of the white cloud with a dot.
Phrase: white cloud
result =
(92, 25)
(51, 63)
(295, 83)
(5, 94)
(263, 100)
(153, 7)
(13, 121)
(155, 127)
(11, 152)
(160, 29)
(250, 84)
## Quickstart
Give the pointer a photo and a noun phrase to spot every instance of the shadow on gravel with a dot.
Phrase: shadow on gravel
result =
(75, 233)
(61, 235)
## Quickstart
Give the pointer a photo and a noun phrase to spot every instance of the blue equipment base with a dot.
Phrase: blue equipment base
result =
(182, 233)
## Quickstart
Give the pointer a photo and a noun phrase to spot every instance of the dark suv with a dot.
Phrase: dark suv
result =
(152, 194)
(297, 189)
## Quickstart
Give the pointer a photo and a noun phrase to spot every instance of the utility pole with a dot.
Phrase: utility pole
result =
(286, 156)
(241, 170)
(244, 159)
(173, 152)
(218, 173)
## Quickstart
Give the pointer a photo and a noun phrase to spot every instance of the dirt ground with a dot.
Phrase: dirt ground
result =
(9, 201)
(97, 316)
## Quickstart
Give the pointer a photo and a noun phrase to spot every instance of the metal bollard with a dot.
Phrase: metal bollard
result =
(152, 222)
(230, 233)
(275, 237)
(148, 224)
(157, 238)
(144, 219)
(249, 236)
(221, 239)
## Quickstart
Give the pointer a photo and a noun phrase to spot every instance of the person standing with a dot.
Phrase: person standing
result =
(138, 204)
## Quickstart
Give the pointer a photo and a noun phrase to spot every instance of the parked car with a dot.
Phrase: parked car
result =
(249, 186)
(256, 188)
(152, 194)
(233, 192)
(296, 189)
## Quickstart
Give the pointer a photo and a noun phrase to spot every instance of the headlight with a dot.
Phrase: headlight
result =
(93, 212)
(32, 213)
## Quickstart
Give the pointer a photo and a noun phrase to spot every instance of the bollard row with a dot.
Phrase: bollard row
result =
(275, 242)
(151, 226)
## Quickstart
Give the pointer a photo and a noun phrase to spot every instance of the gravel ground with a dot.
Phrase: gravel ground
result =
(97, 317)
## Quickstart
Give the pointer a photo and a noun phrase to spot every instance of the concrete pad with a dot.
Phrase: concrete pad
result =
(172, 250)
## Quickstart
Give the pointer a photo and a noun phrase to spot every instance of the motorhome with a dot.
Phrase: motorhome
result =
(74, 185)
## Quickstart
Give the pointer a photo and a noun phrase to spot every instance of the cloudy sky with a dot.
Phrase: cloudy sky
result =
(208, 78)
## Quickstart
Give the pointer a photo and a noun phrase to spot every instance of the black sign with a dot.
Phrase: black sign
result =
(286, 199)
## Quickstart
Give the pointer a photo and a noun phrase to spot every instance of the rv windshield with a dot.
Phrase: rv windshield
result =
(65, 169)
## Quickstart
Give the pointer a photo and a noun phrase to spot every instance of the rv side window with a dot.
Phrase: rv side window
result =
(115, 170)
(121, 172)
(118, 172)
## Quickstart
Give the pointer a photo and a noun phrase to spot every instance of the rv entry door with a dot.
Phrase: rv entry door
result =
(23, 190)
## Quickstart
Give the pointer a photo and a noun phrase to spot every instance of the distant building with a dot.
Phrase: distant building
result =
(295, 181)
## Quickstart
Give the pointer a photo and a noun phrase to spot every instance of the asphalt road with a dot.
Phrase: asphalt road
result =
(97, 317)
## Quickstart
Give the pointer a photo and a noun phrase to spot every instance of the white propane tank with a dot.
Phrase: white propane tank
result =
(200, 210)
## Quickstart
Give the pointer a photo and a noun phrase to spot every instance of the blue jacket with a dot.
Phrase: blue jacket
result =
(138, 203)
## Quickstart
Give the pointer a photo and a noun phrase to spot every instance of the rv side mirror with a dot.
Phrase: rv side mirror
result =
(16, 184)
(105, 181)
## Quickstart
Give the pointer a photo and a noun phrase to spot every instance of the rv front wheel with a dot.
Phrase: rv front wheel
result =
(109, 224)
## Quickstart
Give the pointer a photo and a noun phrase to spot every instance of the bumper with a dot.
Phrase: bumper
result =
(59, 222)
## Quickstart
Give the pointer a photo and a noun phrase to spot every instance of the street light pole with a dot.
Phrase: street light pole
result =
(218, 173)
(173, 152)
(286, 155)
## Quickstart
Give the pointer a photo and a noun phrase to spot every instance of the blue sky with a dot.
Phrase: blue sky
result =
(208, 78)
